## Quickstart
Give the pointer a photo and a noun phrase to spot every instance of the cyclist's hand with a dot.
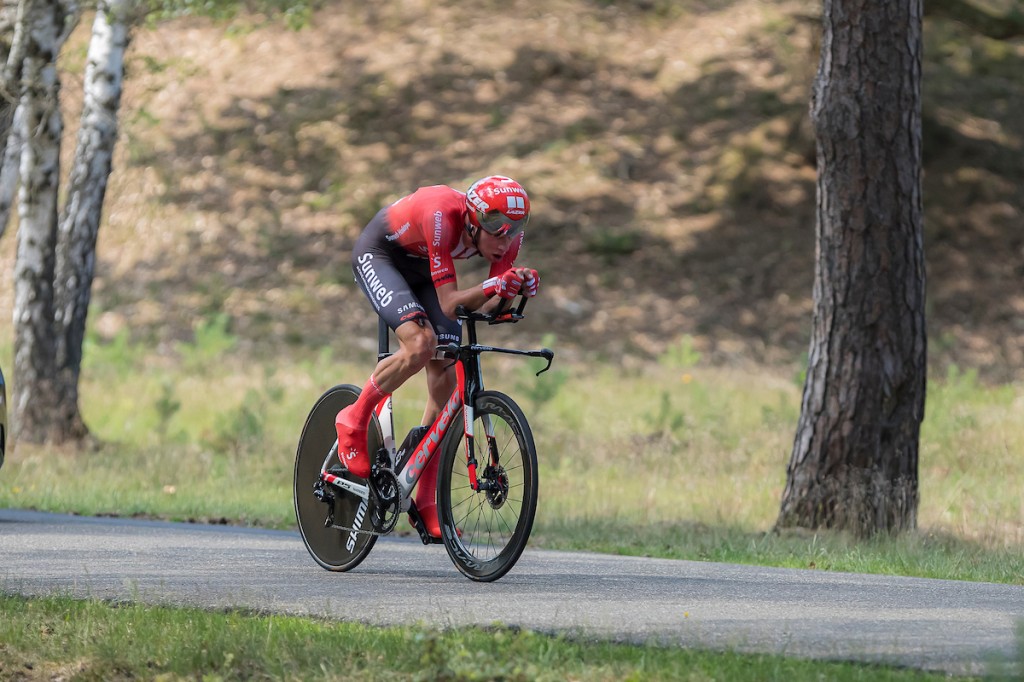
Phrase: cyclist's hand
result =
(531, 283)
(506, 285)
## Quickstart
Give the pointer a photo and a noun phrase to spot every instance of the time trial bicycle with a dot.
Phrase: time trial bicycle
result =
(486, 506)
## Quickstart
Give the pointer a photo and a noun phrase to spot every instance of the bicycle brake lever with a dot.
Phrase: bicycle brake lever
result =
(449, 350)
(548, 355)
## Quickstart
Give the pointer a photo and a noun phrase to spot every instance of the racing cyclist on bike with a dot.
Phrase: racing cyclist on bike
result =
(404, 263)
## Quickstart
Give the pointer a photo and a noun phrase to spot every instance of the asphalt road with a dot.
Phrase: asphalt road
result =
(958, 627)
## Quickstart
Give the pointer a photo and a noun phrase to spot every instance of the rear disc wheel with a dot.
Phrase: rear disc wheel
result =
(333, 549)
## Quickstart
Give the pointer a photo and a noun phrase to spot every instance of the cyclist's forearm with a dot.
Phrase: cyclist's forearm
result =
(451, 298)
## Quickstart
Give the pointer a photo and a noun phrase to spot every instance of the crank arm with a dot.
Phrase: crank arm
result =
(359, 490)
(356, 489)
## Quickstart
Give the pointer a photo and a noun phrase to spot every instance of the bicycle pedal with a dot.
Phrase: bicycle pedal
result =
(420, 527)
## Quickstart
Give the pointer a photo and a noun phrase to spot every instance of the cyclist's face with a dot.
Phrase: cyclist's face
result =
(493, 248)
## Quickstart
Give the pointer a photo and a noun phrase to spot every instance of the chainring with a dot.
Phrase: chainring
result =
(387, 497)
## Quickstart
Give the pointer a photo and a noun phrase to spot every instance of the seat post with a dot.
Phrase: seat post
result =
(383, 339)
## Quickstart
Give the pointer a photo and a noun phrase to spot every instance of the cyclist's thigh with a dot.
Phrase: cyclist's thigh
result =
(379, 275)
(447, 329)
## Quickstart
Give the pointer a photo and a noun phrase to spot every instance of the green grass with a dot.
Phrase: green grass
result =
(677, 460)
(59, 638)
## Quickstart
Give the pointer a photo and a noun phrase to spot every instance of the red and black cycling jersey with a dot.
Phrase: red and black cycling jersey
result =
(429, 223)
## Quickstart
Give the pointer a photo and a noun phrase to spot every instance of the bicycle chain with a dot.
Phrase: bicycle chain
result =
(359, 531)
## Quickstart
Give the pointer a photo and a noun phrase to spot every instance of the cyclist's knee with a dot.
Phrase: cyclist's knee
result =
(420, 346)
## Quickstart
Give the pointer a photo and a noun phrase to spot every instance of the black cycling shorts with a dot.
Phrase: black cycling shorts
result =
(398, 283)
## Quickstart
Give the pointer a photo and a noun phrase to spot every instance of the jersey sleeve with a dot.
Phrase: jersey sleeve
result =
(442, 236)
(509, 258)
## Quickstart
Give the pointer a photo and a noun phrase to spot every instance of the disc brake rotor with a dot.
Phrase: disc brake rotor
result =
(497, 495)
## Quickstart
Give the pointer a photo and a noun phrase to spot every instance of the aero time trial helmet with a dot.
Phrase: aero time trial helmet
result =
(499, 205)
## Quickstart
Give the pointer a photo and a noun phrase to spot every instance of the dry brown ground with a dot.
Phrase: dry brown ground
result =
(667, 152)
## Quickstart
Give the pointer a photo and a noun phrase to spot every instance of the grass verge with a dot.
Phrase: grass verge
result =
(61, 638)
(675, 461)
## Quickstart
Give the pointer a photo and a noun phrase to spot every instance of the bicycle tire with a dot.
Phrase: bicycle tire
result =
(333, 549)
(486, 533)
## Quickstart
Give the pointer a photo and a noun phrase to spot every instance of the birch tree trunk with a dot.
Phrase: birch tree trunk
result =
(10, 164)
(34, 391)
(83, 209)
(12, 23)
(854, 464)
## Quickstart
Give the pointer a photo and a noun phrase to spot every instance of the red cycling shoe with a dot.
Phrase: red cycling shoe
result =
(426, 497)
(352, 443)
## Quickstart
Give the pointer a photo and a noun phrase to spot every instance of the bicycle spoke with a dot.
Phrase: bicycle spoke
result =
(464, 500)
(494, 522)
(509, 528)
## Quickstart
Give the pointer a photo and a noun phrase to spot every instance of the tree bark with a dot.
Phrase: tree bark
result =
(10, 165)
(83, 209)
(34, 370)
(854, 464)
(12, 23)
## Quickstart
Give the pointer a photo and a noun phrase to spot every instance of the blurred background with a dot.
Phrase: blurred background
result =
(666, 146)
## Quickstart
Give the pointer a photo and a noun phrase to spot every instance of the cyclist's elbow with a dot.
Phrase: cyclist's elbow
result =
(449, 309)
(448, 300)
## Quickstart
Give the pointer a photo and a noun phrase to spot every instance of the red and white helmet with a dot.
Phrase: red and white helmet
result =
(499, 205)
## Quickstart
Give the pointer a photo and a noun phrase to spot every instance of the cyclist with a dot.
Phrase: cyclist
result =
(404, 263)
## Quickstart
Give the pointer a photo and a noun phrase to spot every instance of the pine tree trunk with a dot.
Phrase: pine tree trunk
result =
(80, 222)
(854, 464)
(34, 370)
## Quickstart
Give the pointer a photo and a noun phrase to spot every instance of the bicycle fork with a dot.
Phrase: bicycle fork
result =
(470, 386)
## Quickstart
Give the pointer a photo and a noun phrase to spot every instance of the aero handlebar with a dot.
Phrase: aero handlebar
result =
(503, 313)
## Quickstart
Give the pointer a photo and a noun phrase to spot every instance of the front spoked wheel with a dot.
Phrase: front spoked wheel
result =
(485, 531)
(336, 526)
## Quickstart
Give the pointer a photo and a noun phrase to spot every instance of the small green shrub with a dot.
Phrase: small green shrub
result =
(243, 429)
(166, 407)
(612, 244)
(213, 339)
(681, 354)
(118, 356)
(667, 420)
